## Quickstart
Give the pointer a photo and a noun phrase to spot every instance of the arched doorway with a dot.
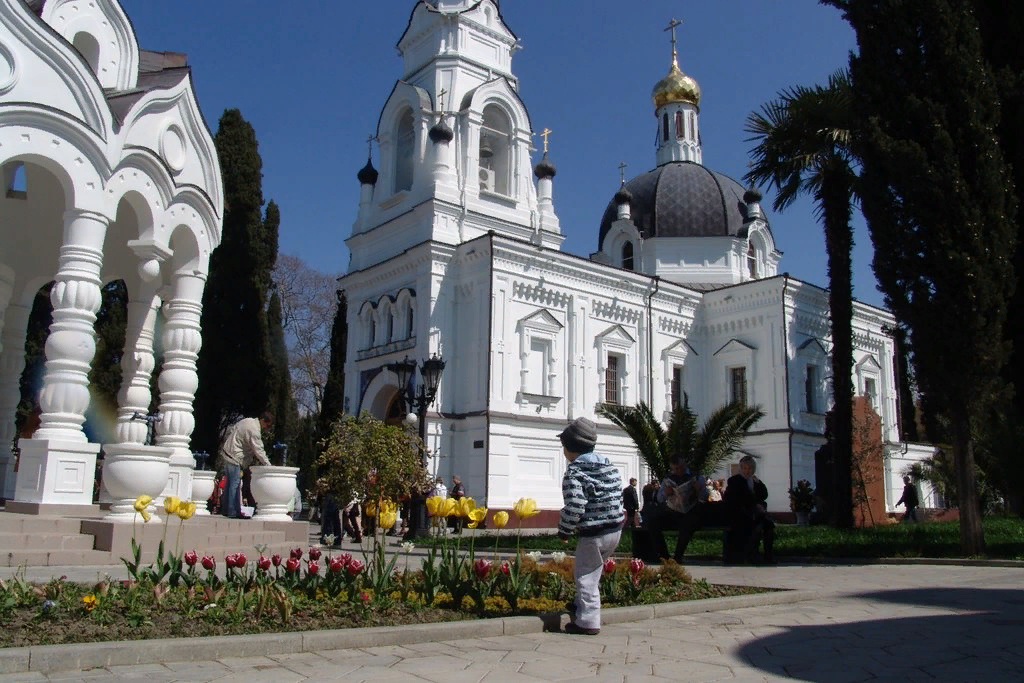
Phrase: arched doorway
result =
(396, 411)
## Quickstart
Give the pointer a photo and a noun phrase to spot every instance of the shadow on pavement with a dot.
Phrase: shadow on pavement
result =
(982, 640)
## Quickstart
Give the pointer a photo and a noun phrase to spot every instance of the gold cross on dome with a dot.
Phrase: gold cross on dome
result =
(672, 27)
(544, 134)
(622, 172)
(440, 99)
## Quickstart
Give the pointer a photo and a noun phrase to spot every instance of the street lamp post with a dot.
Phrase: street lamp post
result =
(417, 400)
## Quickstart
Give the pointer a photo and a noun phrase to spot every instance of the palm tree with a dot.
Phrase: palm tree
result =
(705, 449)
(804, 141)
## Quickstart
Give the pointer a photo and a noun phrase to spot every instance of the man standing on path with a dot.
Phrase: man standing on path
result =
(909, 499)
(746, 501)
(240, 448)
(631, 502)
(592, 491)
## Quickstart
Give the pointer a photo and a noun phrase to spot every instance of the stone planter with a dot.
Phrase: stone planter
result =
(132, 470)
(803, 518)
(203, 483)
(273, 488)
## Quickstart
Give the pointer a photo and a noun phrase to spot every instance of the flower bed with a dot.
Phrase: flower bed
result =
(183, 595)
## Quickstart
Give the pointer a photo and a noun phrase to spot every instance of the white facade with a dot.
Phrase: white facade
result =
(109, 173)
(458, 253)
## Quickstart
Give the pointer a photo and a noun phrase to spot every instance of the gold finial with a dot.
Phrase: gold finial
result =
(672, 27)
(544, 134)
(622, 172)
(440, 99)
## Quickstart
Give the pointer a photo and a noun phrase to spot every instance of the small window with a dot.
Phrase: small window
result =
(680, 128)
(627, 256)
(17, 183)
(611, 381)
(738, 385)
(693, 126)
(811, 389)
(89, 48)
(410, 328)
(664, 127)
(537, 366)
(405, 142)
(871, 391)
(752, 261)
(391, 328)
(677, 387)
(373, 332)
(495, 151)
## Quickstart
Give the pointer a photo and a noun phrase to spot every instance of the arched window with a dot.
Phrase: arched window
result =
(405, 142)
(372, 332)
(627, 256)
(89, 48)
(680, 130)
(664, 127)
(495, 153)
(391, 328)
(410, 328)
(752, 261)
(15, 180)
(693, 126)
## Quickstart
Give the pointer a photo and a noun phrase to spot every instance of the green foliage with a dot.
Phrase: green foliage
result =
(705, 449)
(236, 370)
(805, 141)
(362, 457)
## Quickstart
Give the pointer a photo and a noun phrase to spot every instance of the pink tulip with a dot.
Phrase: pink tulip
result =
(231, 560)
(314, 554)
(313, 569)
(506, 568)
(636, 565)
(191, 557)
(346, 558)
(263, 563)
(355, 567)
(336, 566)
(276, 559)
(292, 565)
(209, 562)
(482, 568)
(609, 566)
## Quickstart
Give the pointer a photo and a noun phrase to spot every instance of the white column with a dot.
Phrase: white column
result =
(178, 379)
(58, 464)
(9, 394)
(137, 365)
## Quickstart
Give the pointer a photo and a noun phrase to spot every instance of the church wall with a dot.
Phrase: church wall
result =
(704, 260)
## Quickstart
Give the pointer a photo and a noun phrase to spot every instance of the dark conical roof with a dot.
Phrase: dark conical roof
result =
(367, 174)
(752, 195)
(544, 169)
(623, 196)
(441, 133)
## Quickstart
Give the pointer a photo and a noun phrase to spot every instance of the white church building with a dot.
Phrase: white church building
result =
(456, 251)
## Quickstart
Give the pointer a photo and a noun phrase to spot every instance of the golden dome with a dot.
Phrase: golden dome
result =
(676, 87)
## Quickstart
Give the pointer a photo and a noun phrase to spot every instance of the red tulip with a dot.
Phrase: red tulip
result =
(609, 566)
(346, 558)
(296, 553)
(263, 563)
(191, 557)
(276, 559)
(355, 567)
(482, 568)
(292, 565)
(337, 565)
(506, 568)
(636, 565)
(240, 560)
(313, 569)
(314, 554)
(209, 562)
(230, 560)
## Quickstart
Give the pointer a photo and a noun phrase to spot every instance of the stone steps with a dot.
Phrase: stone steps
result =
(45, 541)
(85, 558)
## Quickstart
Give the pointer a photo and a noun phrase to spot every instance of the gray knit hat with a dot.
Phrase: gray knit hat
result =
(580, 436)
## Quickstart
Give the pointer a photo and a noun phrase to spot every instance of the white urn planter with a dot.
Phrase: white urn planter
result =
(203, 483)
(133, 470)
(273, 488)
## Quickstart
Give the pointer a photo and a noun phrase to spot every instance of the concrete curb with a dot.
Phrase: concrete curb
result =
(820, 561)
(47, 659)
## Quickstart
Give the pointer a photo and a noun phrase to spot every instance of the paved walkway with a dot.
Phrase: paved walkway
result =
(898, 623)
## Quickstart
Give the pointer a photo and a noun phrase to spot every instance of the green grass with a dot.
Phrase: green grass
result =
(1004, 538)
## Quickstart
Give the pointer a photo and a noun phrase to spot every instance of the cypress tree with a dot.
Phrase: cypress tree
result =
(936, 194)
(281, 401)
(234, 363)
(333, 404)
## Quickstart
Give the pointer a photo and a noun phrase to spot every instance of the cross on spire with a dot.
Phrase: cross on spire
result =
(440, 99)
(544, 134)
(622, 172)
(369, 145)
(672, 27)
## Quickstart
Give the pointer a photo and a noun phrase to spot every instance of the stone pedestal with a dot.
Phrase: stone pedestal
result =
(54, 472)
(179, 476)
(203, 483)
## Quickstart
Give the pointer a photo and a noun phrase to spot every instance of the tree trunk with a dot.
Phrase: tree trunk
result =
(835, 195)
(972, 535)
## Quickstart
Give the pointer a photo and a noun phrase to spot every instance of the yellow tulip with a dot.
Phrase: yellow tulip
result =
(472, 525)
(526, 508)
(450, 507)
(171, 504)
(466, 506)
(387, 519)
(500, 519)
(388, 506)
(371, 509)
(141, 505)
(477, 515)
(435, 506)
(186, 510)
(146, 515)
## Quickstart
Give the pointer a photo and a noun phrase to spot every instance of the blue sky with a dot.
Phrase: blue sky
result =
(312, 78)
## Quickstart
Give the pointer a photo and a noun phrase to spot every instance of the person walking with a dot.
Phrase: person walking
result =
(458, 492)
(910, 500)
(631, 503)
(592, 495)
(241, 446)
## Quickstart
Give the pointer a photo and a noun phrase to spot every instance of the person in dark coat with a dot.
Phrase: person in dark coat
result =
(631, 503)
(647, 493)
(910, 500)
(746, 500)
